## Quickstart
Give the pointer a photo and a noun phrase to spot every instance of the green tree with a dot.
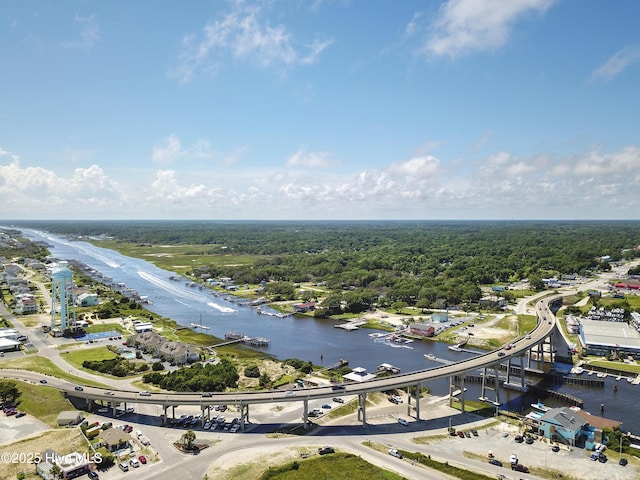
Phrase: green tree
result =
(188, 438)
(9, 392)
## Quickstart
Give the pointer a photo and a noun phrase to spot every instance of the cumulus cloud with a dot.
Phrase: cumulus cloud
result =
(617, 63)
(170, 150)
(468, 26)
(305, 159)
(582, 185)
(243, 35)
(89, 34)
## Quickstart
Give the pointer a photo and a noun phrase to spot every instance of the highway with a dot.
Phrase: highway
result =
(544, 328)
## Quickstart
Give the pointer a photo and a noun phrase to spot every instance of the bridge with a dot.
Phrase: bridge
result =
(205, 401)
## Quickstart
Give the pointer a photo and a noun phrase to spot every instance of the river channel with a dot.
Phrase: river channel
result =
(309, 339)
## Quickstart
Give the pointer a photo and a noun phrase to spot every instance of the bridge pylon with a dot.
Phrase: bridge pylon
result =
(456, 389)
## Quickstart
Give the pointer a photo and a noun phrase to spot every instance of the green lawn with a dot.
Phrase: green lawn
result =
(47, 367)
(337, 466)
(76, 357)
(42, 402)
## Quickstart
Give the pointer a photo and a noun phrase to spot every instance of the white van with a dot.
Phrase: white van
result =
(134, 462)
(123, 466)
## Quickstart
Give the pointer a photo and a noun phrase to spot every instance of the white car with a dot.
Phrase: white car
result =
(402, 421)
(513, 458)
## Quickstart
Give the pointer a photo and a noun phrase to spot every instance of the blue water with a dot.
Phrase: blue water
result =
(310, 339)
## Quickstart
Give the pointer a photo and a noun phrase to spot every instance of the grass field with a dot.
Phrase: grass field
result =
(76, 357)
(47, 367)
(177, 258)
(42, 402)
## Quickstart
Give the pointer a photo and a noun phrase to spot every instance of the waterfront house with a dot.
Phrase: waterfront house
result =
(304, 307)
(561, 425)
(422, 329)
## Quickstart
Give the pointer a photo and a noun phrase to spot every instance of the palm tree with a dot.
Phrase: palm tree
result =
(188, 438)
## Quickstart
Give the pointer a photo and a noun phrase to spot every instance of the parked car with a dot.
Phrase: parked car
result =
(495, 462)
(93, 475)
(518, 467)
(528, 440)
(513, 458)
(555, 448)
(20, 414)
(325, 450)
(623, 462)
(395, 453)
(474, 432)
(460, 433)
(143, 459)
(518, 438)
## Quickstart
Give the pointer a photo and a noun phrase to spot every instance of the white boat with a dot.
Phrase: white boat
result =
(578, 370)
(540, 406)
(429, 356)
(601, 375)
(455, 348)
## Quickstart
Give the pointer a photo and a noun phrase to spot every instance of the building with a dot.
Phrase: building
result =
(600, 337)
(422, 329)
(71, 465)
(87, 299)
(359, 374)
(492, 301)
(304, 307)
(113, 439)
(179, 352)
(561, 425)
(69, 417)
(573, 426)
(8, 344)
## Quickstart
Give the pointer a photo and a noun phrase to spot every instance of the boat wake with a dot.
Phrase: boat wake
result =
(92, 253)
(221, 308)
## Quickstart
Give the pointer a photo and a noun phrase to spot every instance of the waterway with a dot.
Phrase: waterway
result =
(310, 339)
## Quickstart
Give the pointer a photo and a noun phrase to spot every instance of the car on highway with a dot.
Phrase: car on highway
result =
(43, 381)
(495, 462)
(207, 394)
(338, 400)
(338, 387)
(402, 421)
(326, 406)
(501, 354)
(395, 453)
(518, 467)
(144, 393)
(108, 393)
(78, 388)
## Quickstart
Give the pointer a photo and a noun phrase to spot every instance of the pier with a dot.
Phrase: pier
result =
(350, 326)
(235, 337)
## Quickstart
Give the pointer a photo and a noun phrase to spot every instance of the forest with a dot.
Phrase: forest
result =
(428, 264)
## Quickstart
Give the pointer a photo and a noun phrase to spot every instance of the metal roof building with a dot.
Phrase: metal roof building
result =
(600, 337)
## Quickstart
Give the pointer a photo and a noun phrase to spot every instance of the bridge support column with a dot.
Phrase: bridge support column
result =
(362, 408)
(415, 405)
(453, 388)
(244, 415)
(164, 417)
(305, 413)
(487, 379)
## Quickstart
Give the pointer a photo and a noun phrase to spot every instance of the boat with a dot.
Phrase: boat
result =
(540, 406)
(601, 375)
(578, 370)
(429, 356)
(455, 348)
(197, 325)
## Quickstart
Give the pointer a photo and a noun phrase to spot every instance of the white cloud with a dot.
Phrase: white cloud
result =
(503, 185)
(617, 63)
(243, 35)
(89, 34)
(305, 159)
(467, 26)
(170, 150)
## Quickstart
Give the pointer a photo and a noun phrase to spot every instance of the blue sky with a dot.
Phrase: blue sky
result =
(320, 109)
